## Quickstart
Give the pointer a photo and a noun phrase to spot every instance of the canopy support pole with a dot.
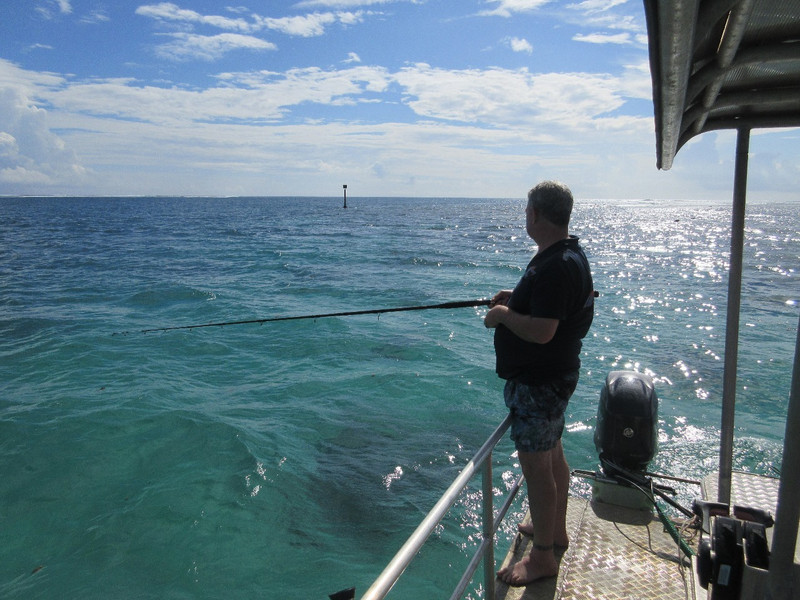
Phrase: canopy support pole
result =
(732, 323)
(781, 583)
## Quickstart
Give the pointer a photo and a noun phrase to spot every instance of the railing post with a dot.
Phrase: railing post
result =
(488, 529)
(481, 461)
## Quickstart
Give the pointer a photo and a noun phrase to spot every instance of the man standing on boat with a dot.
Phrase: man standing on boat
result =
(538, 331)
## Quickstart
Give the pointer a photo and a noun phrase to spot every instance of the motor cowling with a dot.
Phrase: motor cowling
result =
(627, 421)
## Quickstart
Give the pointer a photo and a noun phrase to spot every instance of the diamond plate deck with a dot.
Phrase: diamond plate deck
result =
(747, 489)
(607, 561)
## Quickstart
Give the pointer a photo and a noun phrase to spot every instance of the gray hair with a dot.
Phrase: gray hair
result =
(553, 201)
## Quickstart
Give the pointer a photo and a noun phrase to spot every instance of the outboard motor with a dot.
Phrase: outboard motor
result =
(627, 422)
(626, 439)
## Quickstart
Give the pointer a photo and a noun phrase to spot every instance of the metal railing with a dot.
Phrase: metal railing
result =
(482, 461)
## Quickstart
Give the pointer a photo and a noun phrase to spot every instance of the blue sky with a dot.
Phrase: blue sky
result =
(478, 98)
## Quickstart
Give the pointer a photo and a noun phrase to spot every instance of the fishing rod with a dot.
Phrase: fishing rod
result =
(376, 311)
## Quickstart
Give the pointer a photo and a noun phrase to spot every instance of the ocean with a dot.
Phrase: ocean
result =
(292, 459)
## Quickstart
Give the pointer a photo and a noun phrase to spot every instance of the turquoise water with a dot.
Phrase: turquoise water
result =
(292, 459)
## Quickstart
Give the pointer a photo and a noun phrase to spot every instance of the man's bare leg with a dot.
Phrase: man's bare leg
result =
(543, 496)
(561, 477)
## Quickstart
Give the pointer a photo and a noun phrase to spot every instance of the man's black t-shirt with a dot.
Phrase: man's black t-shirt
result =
(557, 284)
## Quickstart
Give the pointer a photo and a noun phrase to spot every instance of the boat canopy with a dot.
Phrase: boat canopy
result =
(722, 64)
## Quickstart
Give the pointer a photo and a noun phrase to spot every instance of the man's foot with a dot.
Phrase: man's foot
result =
(561, 542)
(538, 565)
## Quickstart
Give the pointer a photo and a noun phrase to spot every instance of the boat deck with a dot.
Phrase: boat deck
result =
(606, 560)
(609, 560)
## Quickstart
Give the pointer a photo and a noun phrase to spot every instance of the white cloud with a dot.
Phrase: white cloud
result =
(635, 82)
(603, 38)
(304, 25)
(426, 131)
(21, 178)
(241, 97)
(167, 11)
(309, 25)
(95, 16)
(187, 46)
(504, 97)
(479, 119)
(348, 3)
(208, 139)
(507, 8)
(9, 150)
(28, 83)
(593, 6)
(48, 9)
(520, 45)
(352, 57)
(601, 13)
(30, 154)
(38, 47)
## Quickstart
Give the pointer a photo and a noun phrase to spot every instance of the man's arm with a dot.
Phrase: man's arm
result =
(531, 329)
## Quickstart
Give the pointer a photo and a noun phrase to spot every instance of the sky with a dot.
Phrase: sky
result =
(453, 98)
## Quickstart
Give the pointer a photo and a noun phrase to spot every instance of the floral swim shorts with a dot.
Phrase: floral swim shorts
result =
(537, 411)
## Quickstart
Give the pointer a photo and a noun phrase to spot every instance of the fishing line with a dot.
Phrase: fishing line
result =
(376, 311)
